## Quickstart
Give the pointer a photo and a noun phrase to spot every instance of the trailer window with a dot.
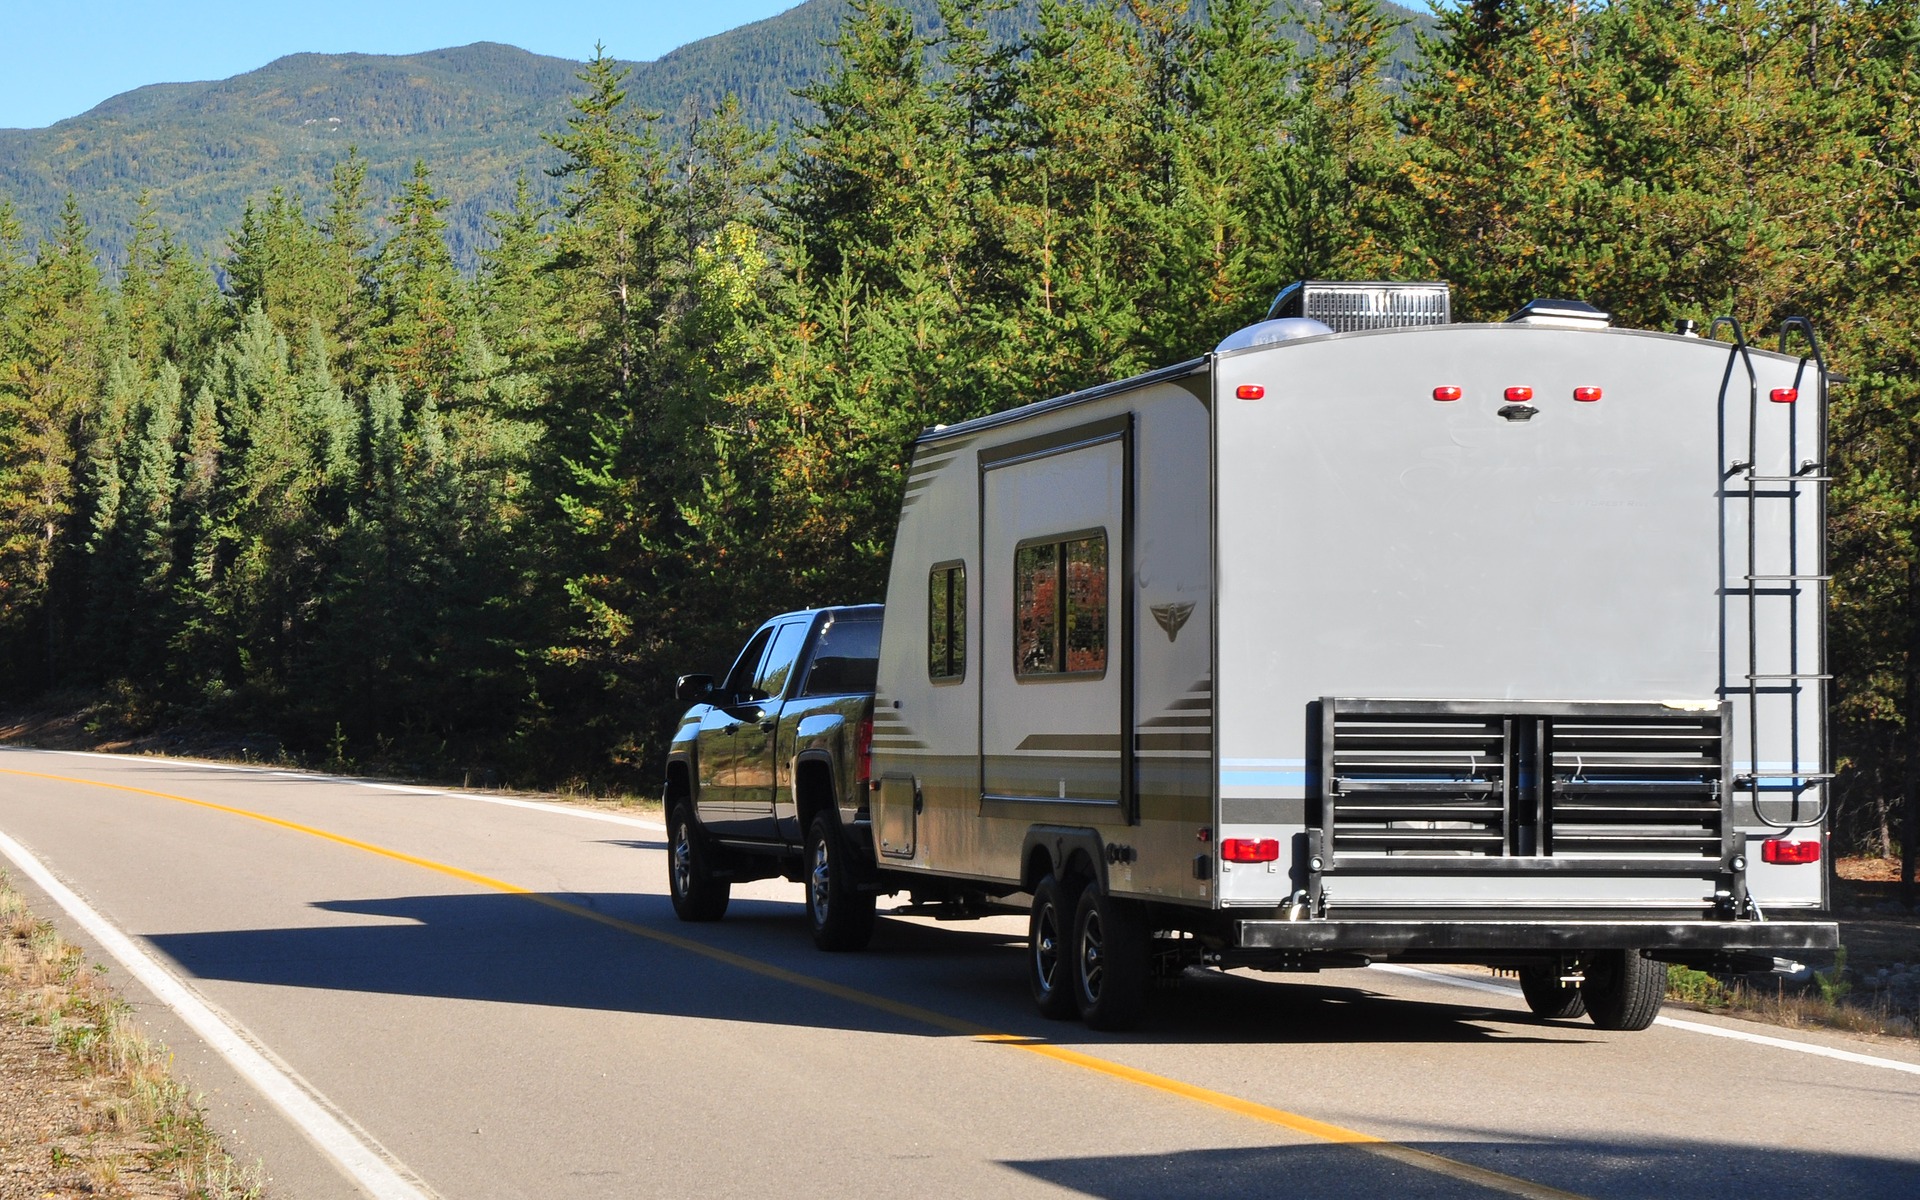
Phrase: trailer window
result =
(947, 621)
(1060, 607)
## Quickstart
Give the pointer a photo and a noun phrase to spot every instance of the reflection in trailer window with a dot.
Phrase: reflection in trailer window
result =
(1060, 607)
(947, 621)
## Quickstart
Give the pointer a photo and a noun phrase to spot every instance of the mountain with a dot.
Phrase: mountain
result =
(475, 114)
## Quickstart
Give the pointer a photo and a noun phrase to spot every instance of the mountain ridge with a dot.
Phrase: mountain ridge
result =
(476, 114)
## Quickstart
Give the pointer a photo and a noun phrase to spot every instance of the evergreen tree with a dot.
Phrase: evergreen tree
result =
(1336, 210)
(50, 389)
(419, 294)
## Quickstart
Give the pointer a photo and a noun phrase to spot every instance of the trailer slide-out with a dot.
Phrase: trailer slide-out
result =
(1375, 637)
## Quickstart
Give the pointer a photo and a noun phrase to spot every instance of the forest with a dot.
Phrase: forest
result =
(330, 486)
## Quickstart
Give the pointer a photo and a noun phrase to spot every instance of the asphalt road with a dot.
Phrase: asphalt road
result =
(496, 1001)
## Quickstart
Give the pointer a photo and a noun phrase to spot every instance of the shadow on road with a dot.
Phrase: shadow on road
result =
(503, 948)
(1617, 1170)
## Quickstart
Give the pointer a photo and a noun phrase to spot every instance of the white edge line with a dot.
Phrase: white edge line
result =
(1738, 1035)
(362, 1162)
(545, 806)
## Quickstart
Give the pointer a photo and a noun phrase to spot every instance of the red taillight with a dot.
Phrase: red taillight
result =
(1446, 393)
(1519, 395)
(1784, 395)
(1778, 850)
(1586, 395)
(863, 751)
(1249, 849)
(1250, 391)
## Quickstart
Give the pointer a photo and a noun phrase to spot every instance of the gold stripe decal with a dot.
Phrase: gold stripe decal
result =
(1071, 741)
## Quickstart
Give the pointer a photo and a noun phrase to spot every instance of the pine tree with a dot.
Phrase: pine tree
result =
(420, 298)
(345, 255)
(52, 380)
(1337, 207)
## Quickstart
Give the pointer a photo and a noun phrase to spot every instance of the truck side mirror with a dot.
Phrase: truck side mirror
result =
(692, 689)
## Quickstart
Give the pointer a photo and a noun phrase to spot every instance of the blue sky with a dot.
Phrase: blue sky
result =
(62, 59)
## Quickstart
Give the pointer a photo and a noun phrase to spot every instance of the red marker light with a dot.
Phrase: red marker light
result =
(863, 750)
(1249, 850)
(1446, 393)
(1784, 395)
(1586, 395)
(1519, 395)
(1779, 850)
(1250, 391)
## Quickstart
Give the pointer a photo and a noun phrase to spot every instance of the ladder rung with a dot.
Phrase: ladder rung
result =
(1789, 479)
(1797, 578)
(1748, 776)
(1793, 675)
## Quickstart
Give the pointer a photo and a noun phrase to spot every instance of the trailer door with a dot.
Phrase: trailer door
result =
(1055, 633)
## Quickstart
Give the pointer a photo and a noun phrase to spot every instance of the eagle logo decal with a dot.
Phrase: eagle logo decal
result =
(1171, 616)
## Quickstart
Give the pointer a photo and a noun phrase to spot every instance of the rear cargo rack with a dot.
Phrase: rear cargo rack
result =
(1498, 787)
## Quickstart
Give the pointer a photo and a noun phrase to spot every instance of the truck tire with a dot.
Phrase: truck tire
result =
(1110, 961)
(1049, 960)
(841, 914)
(1624, 989)
(698, 894)
(1547, 997)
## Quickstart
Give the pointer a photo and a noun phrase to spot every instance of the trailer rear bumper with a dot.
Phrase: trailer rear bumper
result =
(1384, 939)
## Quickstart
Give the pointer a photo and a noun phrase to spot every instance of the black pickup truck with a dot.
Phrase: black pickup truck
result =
(767, 773)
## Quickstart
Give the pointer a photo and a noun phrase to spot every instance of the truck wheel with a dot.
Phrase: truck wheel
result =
(1547, 997)
(1110, 961)
(1624, 989)
(698, 895)
(1049, 961)
(841, 915)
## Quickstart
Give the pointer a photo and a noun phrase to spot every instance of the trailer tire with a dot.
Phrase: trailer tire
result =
(1623, 989)
(1111, 957)
(1547, 997)
(698, 893)
(841, 915)
(1049, 953)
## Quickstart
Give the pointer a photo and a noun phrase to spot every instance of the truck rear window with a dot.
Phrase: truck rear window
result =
(847, 659)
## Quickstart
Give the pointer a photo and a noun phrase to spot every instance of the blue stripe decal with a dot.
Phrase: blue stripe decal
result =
(1274, 779)
(1263, 772)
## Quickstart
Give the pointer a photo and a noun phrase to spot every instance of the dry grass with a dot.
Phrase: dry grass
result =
(1824, 1003)
(45, 983)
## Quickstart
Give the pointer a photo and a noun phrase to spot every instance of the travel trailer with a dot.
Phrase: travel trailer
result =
(1373, 637)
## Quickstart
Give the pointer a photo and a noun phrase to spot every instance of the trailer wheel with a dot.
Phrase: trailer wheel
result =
(1049, 954)
(1111, 958)
(698, 894)
(1624, 989)
(841, 914)
(1547, 997)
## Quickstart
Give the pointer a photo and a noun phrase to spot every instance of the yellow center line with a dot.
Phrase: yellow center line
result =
(1407, 1155)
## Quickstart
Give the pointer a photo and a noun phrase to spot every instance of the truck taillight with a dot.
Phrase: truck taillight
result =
(863, 751)
(1779, 850)
(1249, 849)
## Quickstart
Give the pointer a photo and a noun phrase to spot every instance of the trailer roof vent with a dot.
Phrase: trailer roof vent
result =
(1347, 307)
(1565, 314)
(1265, 333)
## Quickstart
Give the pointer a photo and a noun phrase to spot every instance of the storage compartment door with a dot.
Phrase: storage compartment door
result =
(1053, 672)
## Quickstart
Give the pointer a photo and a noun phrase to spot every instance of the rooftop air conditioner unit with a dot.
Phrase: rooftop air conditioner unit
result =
(1348, 307)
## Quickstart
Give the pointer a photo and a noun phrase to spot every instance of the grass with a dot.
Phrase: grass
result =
(46, 983)
(1824, 1005)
